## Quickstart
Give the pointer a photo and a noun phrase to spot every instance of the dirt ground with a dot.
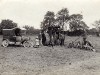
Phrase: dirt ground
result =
(50, 61)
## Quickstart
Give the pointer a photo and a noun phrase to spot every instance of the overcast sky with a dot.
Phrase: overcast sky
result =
(31, 12)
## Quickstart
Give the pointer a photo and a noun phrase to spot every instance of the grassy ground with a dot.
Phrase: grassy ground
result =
(37, 61)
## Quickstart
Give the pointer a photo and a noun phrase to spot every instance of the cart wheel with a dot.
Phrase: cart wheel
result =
(27, 44)
(5, 43)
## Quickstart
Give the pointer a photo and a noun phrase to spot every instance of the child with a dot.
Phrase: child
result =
(36, 42)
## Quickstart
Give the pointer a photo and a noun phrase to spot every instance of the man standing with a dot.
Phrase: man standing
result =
(62, 38)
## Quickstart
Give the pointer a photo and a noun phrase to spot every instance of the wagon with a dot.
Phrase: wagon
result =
(15, 36)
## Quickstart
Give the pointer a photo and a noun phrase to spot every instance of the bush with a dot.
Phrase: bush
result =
(75, 33)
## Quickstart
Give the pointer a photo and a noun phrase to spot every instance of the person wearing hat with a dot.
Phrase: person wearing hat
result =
(86, 43)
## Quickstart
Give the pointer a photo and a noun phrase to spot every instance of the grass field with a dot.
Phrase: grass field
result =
(48, 60)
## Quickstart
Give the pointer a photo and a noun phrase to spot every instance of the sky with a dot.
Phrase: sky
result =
(31, 12)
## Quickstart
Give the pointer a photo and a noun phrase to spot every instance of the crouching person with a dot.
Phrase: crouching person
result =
(87, 44)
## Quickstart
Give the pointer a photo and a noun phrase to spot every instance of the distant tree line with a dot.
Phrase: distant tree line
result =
(30, 30)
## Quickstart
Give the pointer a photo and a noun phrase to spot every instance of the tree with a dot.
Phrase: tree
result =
(7, 24)
(77, 23)
(26, 27)
(49, 19)
(76, 17)
(92, 31)
(31, 30)
(62, 16)
(97, 25)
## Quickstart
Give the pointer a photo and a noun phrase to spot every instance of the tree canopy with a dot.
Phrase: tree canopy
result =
(7, 24)
(30, 30)
(61, 18)
(96, 24)
(77, 23)
(63, 14)
(48, 20)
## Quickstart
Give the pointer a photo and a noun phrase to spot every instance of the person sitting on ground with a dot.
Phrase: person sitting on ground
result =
(86, 44)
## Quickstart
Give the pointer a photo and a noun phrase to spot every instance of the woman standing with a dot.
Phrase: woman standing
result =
(43, 39)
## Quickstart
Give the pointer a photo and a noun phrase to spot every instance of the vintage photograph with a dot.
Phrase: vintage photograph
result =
(49, 37)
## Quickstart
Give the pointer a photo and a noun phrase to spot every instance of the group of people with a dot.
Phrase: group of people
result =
(51, 37)
(82, 44)
(56, 37)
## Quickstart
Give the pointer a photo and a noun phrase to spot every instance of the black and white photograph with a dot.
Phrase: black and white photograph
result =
(49, 37)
